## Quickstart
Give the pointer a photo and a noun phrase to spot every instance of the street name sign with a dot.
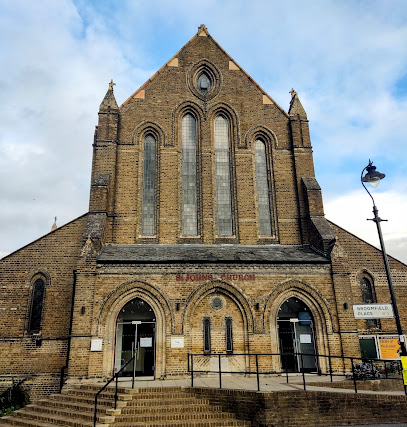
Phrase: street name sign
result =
(373, 311)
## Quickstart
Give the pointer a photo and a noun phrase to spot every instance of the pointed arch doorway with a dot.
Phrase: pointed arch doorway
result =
(136, 336)
(296, 335)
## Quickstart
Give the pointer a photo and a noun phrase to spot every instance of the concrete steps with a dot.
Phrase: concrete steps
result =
(73, 407)
(172, 406)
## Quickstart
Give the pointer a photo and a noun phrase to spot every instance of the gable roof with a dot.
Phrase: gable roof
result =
(203, 32)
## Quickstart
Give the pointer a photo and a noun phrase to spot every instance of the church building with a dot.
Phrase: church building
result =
(205, 234)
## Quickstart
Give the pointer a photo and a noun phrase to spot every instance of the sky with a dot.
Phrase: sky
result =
(346, 59)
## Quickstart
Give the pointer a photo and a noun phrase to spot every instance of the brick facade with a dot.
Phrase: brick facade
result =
(101, 261)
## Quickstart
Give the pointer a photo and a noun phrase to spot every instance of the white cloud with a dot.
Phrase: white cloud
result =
(346, 60)
(351, 211)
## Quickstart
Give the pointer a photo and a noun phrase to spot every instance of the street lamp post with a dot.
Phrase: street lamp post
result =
(373, 178)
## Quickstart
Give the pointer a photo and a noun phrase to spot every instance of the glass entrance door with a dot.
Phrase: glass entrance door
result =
(136, 337)
(304, 343)
(296, 335)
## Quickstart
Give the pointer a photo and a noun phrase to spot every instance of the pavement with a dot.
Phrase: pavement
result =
(246, 382)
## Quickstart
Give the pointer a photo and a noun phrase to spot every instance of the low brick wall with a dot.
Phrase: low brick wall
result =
(308, 408)
(37, 386)
(374, 385)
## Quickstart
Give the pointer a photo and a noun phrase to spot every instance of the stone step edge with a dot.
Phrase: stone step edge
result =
(221, 423)
(85, 406)
(82, 404)
(173, 417)
(74, 414)
(75, 421)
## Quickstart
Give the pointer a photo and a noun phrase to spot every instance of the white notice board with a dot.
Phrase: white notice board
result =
(373, 311)
(177, 342)
(146, 342)
(96, 344)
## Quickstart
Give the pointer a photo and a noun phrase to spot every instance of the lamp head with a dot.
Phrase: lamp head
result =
(372, 176)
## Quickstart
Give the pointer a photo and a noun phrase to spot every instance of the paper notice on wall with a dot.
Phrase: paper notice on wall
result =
(96, 344)
(177, 342)
(146, 342)
(305, 339)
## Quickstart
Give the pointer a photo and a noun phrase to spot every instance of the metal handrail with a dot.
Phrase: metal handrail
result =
(115, 376)
(61, 378)
(330, 373)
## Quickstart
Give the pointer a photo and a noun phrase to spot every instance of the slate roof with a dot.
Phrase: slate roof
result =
(240, 254)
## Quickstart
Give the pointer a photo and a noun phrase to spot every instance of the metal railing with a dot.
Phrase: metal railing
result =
(62, 378)
(115, 377)
(325, 365)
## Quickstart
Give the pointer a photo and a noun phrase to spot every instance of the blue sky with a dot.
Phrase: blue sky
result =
(347, 61)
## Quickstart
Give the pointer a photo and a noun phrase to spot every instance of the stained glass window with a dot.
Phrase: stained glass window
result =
(189, 178)
(263, 190)
(149, 186)
(37, 302)
(222, 169)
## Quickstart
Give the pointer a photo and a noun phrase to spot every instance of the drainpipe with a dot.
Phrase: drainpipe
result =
(68, 350)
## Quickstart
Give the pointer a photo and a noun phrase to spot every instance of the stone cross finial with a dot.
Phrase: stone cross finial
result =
(293, 92)
(111, 84)
(54, 225)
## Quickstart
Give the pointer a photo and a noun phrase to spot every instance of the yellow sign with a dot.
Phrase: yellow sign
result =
(389, 347)
(404, 365)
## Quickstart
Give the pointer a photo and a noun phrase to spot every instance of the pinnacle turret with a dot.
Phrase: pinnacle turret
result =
(296, 108)
(109, 101)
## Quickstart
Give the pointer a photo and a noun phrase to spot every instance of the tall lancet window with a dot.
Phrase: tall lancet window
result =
(189, 178)
(37, 302)
(222, 169)
(263, 189)
(149, 186)
(368, 297)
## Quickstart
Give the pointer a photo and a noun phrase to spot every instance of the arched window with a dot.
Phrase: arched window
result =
(368, 297)
(149, 186)
(204, 82)
(189, 178)
(263, 189)
(37, 303)
(222, 170)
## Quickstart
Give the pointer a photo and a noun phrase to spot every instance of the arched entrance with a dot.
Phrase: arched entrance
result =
(135, 335)
(296, 335)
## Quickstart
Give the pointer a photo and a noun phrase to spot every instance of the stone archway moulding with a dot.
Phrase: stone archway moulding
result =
(128, 291)
(110, 309)
(307, 293)
(223, 288)
(323, 319)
